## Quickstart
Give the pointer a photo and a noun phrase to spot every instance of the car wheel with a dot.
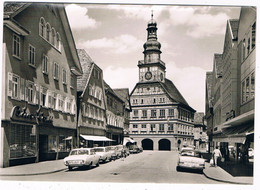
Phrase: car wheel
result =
(97, 163)
(70, 168)
(90, 165)
(178, 168)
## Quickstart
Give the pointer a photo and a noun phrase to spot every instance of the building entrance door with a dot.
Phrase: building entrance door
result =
(43, 147)
(147, 144)
(164, 144)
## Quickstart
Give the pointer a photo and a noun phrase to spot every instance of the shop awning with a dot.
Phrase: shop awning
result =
(68, 138)
(236, 134)
(95, 138)
(127, 139)
(241, 119)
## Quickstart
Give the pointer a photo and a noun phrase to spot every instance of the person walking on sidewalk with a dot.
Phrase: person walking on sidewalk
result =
(216, 156)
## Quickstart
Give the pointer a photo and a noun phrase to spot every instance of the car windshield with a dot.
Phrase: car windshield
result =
(79, 152)
(99, 149)
(191, 153)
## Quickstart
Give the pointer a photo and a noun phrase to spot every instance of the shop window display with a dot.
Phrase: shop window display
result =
(22, 141)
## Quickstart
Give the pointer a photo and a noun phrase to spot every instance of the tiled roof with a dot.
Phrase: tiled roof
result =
(198, 117)
(218, 64)
(86, 64)
(173, 92)
(111, 91)
(122, 93)
(10, 8)
(234, 27)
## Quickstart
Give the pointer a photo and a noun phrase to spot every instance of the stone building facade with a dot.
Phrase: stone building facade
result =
(91, 103)
(115, 114)
(39, 72)
(161, 119)
(235, 132)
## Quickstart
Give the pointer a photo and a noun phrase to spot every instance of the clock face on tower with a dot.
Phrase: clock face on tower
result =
(148, 75)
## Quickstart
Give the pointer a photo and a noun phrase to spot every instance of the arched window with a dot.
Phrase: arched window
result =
(48, 30)
(58, 45)
(53, 36)
(41, 27)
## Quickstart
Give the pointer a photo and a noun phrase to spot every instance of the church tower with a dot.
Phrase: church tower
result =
(151, 68)
(161, 119)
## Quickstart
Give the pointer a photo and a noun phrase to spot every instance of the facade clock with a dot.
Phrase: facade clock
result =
(148, 75)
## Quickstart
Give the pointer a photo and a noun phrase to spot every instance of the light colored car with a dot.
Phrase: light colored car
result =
(250, 152)
(190, 159)
(104, 153)
(81, 157)
(113, 152)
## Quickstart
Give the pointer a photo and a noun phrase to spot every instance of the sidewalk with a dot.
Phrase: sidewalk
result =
(219, 174)
(39, 168)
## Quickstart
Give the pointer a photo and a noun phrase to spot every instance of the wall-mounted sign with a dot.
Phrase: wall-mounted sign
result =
(21, 114)
(230, 115)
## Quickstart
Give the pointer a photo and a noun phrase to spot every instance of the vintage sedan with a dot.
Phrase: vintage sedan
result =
(104, 153)
(190, 159)
(82, 157)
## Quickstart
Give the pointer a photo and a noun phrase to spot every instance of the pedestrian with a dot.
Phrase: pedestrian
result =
(123, 154)
(216, 156)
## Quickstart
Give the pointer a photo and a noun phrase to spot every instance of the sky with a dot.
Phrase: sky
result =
(113, 35)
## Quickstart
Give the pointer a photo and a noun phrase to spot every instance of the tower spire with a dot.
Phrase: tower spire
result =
(152, 15)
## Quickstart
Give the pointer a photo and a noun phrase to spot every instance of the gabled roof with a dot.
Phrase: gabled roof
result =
(87, 67)
(10, 9)
(218, 65)
(111, 91)
(171, 91)
(198, 117)
(123, 93)
(234, 28)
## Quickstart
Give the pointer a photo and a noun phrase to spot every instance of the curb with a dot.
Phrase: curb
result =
(42, 173)
(225, 181)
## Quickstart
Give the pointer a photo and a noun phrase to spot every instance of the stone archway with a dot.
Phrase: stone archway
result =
(164, 144)
(147, 144)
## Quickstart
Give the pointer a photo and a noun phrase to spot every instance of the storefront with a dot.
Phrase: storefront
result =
(31, 137)
(237, 138)
(90, 141)
(116, 134)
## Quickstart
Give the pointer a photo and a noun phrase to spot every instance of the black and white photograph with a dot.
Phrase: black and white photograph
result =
(129, 95)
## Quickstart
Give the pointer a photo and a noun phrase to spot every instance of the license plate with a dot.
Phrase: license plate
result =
(74, 162)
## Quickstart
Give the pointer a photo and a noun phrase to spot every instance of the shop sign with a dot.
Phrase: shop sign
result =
(21, 114)
(230, 115)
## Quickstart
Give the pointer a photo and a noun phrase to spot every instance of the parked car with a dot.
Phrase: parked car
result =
(250, 152)
(120, 149)
(133, 149)
(82, 157)
(104, 153)
(190, 159)
(113, 151)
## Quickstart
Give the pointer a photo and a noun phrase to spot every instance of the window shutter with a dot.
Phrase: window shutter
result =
(26, 91)
(38, 92)
(34, 95)
(22, 89)
(66, 106)
(10, 84)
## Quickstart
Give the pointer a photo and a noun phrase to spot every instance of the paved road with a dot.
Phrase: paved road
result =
(146, 167)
